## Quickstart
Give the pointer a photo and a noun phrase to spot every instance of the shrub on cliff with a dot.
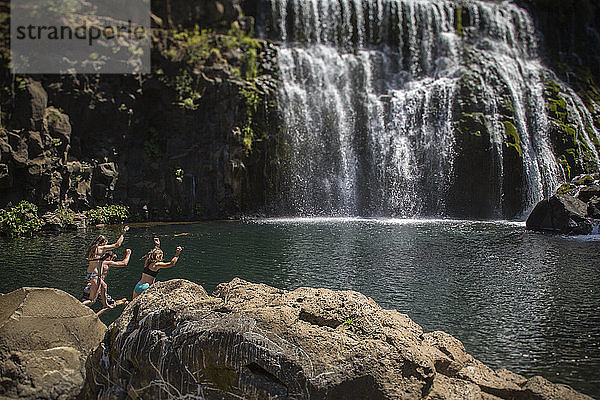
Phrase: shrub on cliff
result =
(20, 220)
(112, 214)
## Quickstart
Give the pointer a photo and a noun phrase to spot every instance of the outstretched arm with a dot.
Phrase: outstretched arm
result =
(118, 243)
(123, 262)
(173, 260)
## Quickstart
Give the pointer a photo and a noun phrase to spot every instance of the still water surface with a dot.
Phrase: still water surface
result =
(520, 300)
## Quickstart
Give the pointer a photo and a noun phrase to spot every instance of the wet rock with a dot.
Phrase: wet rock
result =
(45, 337)
(254, 341)
(106, 173)
(35, 145)
(63, 220)
(18, 151)
(593, 208)
(570, 211)
(57, 125)
(586, 193)
(79, 180)
(5, 177)
(52, 222)
(30, 104)
(561, 213)
(78, 222)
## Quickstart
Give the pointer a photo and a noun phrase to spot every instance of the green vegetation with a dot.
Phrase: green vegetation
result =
(571, 148)
(511, 137)
(566, 188)
(65, 215)
(204, 47)
(198, 54)
(20, 220)
(154, 144)
(179, 174)
(472, 124)
(236, 51)
(5, 38)
(458, 23)
(112, 214)
(195, 43)
(585, 180)
(252, 101)
(185, 86)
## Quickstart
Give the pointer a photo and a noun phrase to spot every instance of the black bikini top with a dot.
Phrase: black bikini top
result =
(148, 271)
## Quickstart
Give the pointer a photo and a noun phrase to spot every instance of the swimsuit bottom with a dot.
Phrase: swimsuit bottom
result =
(140, 287)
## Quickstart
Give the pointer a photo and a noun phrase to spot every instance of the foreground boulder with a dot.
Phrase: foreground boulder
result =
(253, 341)
(45, 338)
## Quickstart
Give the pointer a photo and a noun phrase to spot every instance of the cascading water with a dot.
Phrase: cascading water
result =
(369, 92)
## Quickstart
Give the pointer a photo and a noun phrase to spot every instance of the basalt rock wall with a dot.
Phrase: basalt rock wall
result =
(187, 141)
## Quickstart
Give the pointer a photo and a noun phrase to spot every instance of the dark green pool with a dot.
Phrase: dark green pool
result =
(524, 301)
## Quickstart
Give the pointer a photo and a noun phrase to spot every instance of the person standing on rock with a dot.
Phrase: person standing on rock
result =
(152, 265)
(95, 254)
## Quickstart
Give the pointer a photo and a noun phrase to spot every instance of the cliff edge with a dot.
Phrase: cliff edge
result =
(254, 341)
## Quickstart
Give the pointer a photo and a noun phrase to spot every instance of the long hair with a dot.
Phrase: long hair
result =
(153, 256)
(90, 253)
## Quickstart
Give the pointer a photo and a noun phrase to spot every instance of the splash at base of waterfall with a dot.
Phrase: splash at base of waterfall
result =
(371, 95)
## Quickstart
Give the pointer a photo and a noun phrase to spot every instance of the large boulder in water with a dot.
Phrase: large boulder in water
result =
(253, 341)
(560, 213)
(45, 338)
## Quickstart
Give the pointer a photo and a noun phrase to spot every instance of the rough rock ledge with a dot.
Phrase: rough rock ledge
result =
(45, 337)
(252, 341)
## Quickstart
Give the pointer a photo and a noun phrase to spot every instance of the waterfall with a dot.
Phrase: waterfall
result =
(369, 95)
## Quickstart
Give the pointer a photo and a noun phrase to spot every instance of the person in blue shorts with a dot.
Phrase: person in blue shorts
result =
(153, 264)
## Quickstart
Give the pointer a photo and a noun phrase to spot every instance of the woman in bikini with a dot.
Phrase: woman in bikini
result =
(109, 260)
(152, 265)
(95, 254)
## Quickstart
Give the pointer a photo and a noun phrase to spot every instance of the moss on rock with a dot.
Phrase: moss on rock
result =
(570, 145)
(511, 137)
(472, 124)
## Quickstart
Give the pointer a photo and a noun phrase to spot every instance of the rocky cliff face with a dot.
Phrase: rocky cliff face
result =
(187, 141)
(253, 341)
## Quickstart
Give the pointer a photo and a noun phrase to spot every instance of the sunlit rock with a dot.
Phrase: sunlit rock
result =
(254, 341)
(45, 338)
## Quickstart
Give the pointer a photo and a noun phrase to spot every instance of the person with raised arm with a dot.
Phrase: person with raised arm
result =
(111, 261)
(95, 254)
(153, 264)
